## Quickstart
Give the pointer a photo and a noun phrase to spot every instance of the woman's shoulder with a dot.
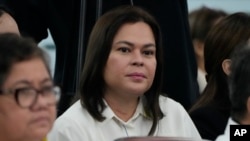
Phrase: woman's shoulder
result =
(177, 118)
(170, 105)
(167, 101)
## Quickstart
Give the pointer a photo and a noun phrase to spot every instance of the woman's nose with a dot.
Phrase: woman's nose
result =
(137, 59)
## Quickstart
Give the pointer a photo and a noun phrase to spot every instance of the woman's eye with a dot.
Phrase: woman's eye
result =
(124, 50)
(149, 52)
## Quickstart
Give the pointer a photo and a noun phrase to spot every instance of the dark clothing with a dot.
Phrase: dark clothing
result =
(62, 18)
(210, 120)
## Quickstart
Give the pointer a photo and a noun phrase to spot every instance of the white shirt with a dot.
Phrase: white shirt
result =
(201, 78)
(226, 135)
(76, 124)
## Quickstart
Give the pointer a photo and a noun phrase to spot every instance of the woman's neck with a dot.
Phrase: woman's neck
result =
(123, 108)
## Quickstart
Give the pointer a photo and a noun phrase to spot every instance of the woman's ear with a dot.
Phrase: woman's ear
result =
(226, 66)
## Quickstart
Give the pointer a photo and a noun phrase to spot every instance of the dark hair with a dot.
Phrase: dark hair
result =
(220, 43)
(202, 20)
(239, 82)
(4, 9)
(92, 83)
(14, 49)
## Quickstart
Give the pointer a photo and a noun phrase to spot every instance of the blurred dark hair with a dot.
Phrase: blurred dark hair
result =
(239, 82)
(15, 49)
(202, 20)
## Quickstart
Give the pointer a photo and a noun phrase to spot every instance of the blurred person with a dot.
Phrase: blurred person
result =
(27, 94)
(239, 93)
(201, 21)
(210, 113)
(121, 85)
(7, 23)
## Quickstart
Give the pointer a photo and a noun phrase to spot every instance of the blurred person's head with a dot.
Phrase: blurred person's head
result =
(7, 22)
(27, 93)
(201, 21)
(123, 57)
(239, 82)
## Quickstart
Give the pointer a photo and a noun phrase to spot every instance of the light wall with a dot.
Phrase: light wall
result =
(229, 6)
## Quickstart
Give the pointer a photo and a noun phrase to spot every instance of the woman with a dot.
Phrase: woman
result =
(27, 93)
(201, 21)
(120, 85)
(211, 112)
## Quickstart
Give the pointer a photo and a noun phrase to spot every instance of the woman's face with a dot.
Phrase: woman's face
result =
(131, 65)
(26, 124)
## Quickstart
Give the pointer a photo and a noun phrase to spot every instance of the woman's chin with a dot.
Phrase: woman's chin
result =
(40, 133)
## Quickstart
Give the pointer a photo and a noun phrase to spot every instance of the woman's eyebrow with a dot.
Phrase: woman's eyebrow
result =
(131, 44)
(125, 42)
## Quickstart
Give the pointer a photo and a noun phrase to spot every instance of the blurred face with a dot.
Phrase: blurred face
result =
(131, 64)
(26, 124)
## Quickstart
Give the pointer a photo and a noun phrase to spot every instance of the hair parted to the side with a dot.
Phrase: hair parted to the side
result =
(100, 42)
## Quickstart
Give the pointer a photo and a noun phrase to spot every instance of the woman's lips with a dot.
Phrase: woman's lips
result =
(41, 120)
(136, 76)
